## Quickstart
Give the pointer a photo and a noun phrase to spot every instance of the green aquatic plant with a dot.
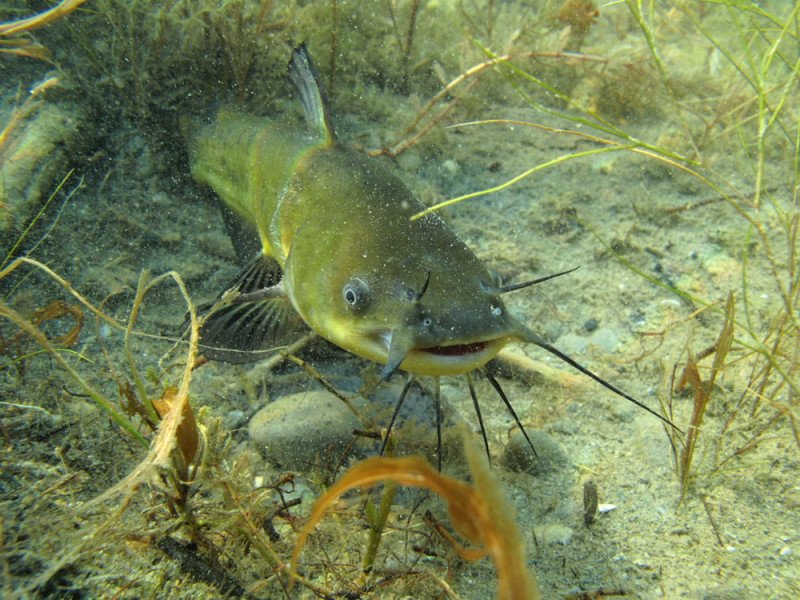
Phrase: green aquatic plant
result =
(765, 55)
(184, 457)
(683, 450)
(154, 412)
(156, 57)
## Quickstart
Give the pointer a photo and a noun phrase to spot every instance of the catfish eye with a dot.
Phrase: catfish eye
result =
(355, 293)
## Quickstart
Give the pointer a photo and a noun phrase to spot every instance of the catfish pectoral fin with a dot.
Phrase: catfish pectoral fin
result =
(255, 321)
(244, 332)
(243, 235)
(260, 273)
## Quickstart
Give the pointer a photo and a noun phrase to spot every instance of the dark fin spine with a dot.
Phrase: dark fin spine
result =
(243, 236)
(305, 80)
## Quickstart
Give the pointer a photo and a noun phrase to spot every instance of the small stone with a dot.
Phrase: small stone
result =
(680, 531)
(450, 166)
(549, 457)
(605, 339)
(565, 427)
(791, 500)
(409, 161)
(300, 430)
(572, 344)
(233, 419)
(553, 533)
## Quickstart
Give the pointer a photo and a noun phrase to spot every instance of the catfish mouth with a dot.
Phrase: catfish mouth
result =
(443, 359)
(452, 359)
(456, 349)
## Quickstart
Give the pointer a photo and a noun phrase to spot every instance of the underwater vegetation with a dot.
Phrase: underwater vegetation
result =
(140, 464)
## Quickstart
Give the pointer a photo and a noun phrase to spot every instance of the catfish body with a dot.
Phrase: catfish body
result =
(357, 270)
(336, 226)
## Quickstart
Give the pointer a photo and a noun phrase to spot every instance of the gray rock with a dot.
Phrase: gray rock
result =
(37, 149)
(302, 429)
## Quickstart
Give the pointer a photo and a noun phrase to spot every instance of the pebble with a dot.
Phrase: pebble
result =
(300, 430)
(233, 420)
(590, 325)
(450, 166)
(549, 457)
(553, 533)
(601, 338)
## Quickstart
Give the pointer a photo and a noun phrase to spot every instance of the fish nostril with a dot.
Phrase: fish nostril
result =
(497, 281)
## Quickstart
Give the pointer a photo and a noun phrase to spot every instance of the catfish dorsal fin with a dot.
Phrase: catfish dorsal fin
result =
(305, 80)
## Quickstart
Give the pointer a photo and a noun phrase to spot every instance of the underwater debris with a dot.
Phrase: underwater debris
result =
(40, 20)
(589, 502)
(186, 435)
(202, 568)
(478, 513)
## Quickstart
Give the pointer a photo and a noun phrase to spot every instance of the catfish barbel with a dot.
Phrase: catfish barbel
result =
(338, 243)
